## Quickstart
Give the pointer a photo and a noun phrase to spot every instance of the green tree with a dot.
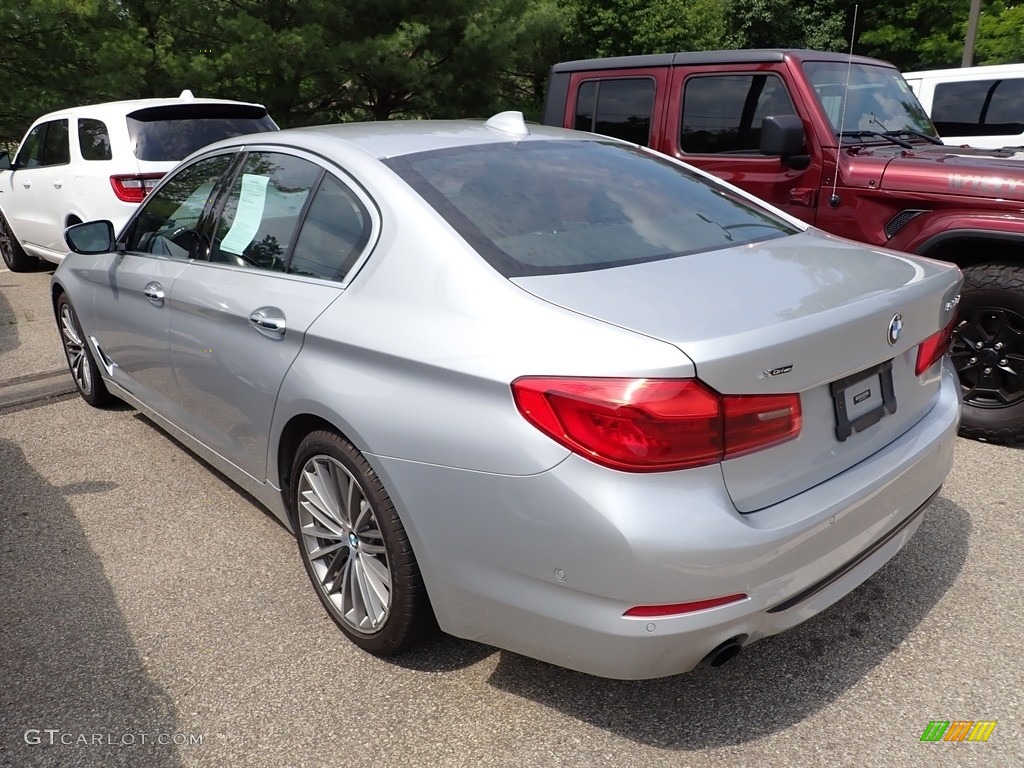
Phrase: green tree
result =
(920, 34)
(624, 27)
(1000, 34)
(816, 24)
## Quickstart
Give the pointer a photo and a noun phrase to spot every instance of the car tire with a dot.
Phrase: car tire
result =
(988, 353)
(13, 254)
(354, 547)
(84, 371)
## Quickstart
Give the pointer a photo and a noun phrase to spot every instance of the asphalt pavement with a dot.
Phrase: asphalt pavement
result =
(152, 615)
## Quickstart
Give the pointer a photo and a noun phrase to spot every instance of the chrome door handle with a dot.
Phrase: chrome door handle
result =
(155, 293)
(269, 321)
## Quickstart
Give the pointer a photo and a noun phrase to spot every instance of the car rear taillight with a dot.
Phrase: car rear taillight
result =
(651, 425)
(933, 348)
(133, 188)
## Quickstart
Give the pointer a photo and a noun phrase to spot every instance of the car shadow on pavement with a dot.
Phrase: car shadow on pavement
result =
(74, 690)
(776, 682)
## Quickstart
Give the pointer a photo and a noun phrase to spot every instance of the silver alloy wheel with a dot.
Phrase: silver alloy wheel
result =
(74, 348)
(342, 540)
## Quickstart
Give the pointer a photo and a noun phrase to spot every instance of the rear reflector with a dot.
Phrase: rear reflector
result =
(133, 188)
(651, 425)
(675, 609)
(933, 348)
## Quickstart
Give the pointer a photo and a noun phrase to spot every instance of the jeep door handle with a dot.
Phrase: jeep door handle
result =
(155, 293)
(269, 321)
(58, 184)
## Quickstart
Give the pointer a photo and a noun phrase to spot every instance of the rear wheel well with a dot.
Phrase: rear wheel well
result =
(293, 433)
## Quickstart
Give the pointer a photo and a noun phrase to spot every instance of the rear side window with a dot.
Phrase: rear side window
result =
(723, 113)
(93, 139)
(56, 146)
(333, 235)
(545, 207)
(170, 133)
(620, 108)
(979, 107)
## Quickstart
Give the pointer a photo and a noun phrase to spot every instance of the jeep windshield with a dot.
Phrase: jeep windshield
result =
(869, 103)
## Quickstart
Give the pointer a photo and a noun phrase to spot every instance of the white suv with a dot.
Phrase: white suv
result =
(99, 161)
(979, 106)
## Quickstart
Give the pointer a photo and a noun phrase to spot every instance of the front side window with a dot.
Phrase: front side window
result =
(724, 113)
(93, 139)
(622, 108)
(170, 222)
(262, 211)
(46, 144)
(546, 207)
(979, 107)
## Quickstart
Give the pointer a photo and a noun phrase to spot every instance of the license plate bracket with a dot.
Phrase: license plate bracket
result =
(862, 399)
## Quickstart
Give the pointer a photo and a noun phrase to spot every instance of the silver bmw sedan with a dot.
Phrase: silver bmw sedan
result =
(541, 389)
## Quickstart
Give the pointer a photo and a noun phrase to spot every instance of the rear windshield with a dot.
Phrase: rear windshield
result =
(173, 132)
(539, 207)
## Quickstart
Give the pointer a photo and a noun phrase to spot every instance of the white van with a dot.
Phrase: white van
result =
(979, 106)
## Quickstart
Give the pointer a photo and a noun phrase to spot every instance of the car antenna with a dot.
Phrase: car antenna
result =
(834, 200)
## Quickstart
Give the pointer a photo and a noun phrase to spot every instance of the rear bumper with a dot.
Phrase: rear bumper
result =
(546, 565)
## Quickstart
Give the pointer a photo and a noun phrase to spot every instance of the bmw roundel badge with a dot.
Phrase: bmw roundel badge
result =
(895, 328)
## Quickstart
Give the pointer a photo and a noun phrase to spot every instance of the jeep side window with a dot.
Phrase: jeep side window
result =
(979, 107)
(620, 108)
(723, 113)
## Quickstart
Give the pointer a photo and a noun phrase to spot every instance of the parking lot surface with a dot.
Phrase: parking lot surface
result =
(152, 615)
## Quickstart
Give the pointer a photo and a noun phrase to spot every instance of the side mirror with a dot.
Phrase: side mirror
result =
(5, 161)
(90, 238)
(784, 135)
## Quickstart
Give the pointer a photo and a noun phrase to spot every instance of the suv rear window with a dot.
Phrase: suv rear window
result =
(546, 207)
(170, 133)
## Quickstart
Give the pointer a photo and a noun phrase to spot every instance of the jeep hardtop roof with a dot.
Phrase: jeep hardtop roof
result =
(696, 58)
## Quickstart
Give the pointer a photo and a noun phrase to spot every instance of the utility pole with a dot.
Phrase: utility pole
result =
(972, 33)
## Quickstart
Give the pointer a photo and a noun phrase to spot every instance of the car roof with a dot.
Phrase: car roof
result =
(384, 139)
(131, 105)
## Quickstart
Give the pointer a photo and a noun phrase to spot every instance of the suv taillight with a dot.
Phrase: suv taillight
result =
(133, 188)
(652, 425)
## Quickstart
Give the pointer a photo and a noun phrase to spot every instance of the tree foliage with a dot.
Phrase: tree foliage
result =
(624, 27)
(316, 61)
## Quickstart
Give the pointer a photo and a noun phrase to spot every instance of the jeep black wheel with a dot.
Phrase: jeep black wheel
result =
(988, 352)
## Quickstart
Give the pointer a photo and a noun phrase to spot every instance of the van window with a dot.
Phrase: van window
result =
(620, 108)
(723, 113)
(979, 107)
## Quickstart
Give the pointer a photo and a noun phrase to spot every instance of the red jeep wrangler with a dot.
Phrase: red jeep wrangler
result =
(842, 143)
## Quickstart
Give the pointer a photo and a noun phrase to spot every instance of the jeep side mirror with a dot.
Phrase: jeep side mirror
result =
(90, 238)
(784, 135)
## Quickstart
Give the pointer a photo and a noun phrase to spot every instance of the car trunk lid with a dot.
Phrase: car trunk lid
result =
(808, 314)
